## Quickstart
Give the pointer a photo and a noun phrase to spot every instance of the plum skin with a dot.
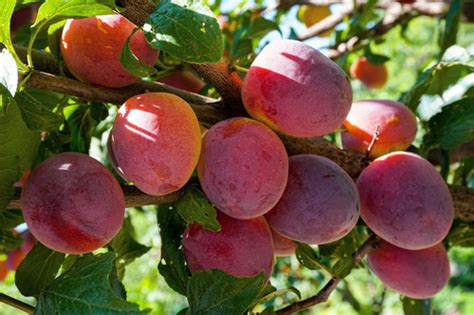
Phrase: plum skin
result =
(320, 204)
(72, 203)
(155, 142)
(243, 168)
(418, 274)
(91, 49)
(242, 248)
(282, 246)
(405, 201)
(397, 127)
(184, 80)
(296, 90)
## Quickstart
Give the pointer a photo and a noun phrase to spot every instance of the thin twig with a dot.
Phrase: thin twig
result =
(22, 306)
(323, 295)
(375, 138)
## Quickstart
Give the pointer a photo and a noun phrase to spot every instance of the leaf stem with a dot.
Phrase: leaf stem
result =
(16, 303)
(240, 69)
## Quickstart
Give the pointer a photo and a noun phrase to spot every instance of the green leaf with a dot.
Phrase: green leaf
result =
(216, 292)
(11, 218)
(461, 235)
(126, 247)
(9, 240)
(278, 293)
(172, 265)
(416, 307)
(36, 116)
(18, 146)
(53, 11)
(375, 59)
(131, 63)
(453, 19)
(37, 270)
(81, 124)
(6, 11)
(308, 257)
(84, 289)
(343, 267)
(453, 126)
(194, 207)
(185, 29)
(427, 93)
(8, 77)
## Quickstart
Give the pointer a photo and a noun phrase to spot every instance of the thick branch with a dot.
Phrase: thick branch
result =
(205, 108)
(133, 198)
(323, 295)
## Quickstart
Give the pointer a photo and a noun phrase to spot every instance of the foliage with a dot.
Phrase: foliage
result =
(434, 80)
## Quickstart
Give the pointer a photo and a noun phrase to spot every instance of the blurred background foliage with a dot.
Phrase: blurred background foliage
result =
(410, 50)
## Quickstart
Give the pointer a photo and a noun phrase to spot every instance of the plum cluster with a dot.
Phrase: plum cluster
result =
(266, 200)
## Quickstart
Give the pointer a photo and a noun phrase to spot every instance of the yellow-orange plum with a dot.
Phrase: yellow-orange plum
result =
(155, 142)
(296, 90)
(91, 49)
(397, 127)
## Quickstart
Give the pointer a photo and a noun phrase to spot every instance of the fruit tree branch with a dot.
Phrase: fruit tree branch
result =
(16, 304)
(395, 15)
(323, 295)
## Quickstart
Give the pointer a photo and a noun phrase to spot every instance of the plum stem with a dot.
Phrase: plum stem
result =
(16, 303)
(375, 138)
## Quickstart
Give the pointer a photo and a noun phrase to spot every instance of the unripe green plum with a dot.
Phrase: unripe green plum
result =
(397, 127)
(320, 204)
(155, 142)
(418, 274)
(296, 90)
(243, 167)
(405, 201)
(72, 203)
(242, 248)
(91, 49)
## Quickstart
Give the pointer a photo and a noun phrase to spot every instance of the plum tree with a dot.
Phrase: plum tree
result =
(240, 248)
(72, 203)
(397, 127)
(374, 76)
(320, 204)
(243, 167)
(155, 142)
(184, 80)
(282, 246)
(418, 274)
(405, 201)
(287, 88)
(312, 14)
(91, 49)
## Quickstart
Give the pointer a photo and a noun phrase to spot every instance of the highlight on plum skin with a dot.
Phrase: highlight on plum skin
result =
(155, 142)
(242, 248)
(296, 90)
(91, 49)
(405, 201)
(243, 168)
(282, 246)
(320, 204)
(72, 203)
(397, 127)
(418, 274)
